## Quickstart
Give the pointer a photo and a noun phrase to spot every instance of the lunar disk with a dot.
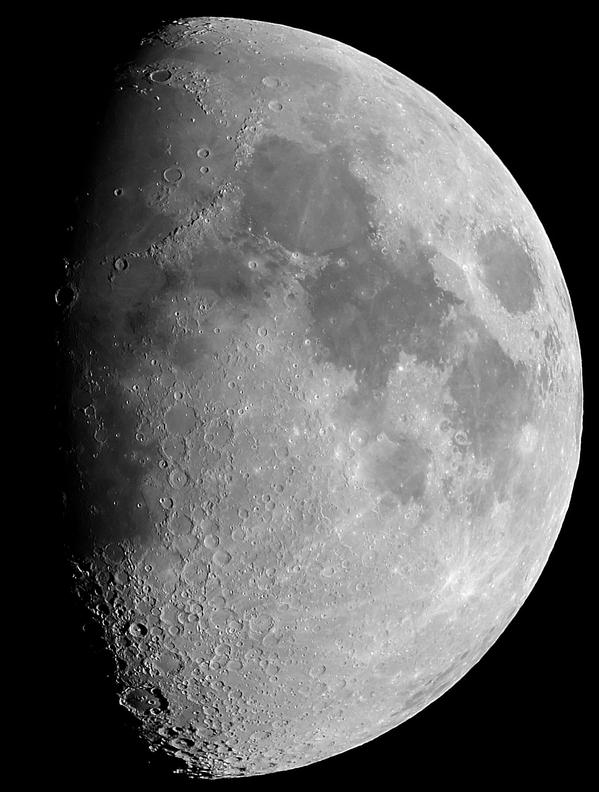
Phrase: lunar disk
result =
(324, 395)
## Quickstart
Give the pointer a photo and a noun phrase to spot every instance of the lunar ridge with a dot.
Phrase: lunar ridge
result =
(325, 395)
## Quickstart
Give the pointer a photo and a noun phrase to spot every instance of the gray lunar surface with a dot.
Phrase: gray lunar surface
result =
(325, 395)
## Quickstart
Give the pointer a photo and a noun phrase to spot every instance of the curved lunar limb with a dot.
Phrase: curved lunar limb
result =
(325, 395)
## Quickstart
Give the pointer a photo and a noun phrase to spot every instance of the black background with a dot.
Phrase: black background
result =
(519, 715)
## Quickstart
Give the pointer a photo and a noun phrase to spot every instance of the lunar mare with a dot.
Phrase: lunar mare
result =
(324, 395)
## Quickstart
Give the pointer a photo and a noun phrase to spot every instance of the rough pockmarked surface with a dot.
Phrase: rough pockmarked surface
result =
(326, 400)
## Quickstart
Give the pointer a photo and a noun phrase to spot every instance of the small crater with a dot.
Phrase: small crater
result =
(180, 419)
(173, 175)
(195, 572)
(180, 525)
(120, 264)
(160, 76)
(66, 296)
(358, 438)
(261, 624)
(177, 478)
(270, 82)
(221, 558)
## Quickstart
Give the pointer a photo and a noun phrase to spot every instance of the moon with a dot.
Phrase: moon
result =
(324, 395)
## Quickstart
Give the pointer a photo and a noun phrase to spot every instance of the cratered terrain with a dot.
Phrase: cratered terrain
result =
(324, 395)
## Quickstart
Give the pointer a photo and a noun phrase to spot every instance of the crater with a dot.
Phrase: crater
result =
(180, 419)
